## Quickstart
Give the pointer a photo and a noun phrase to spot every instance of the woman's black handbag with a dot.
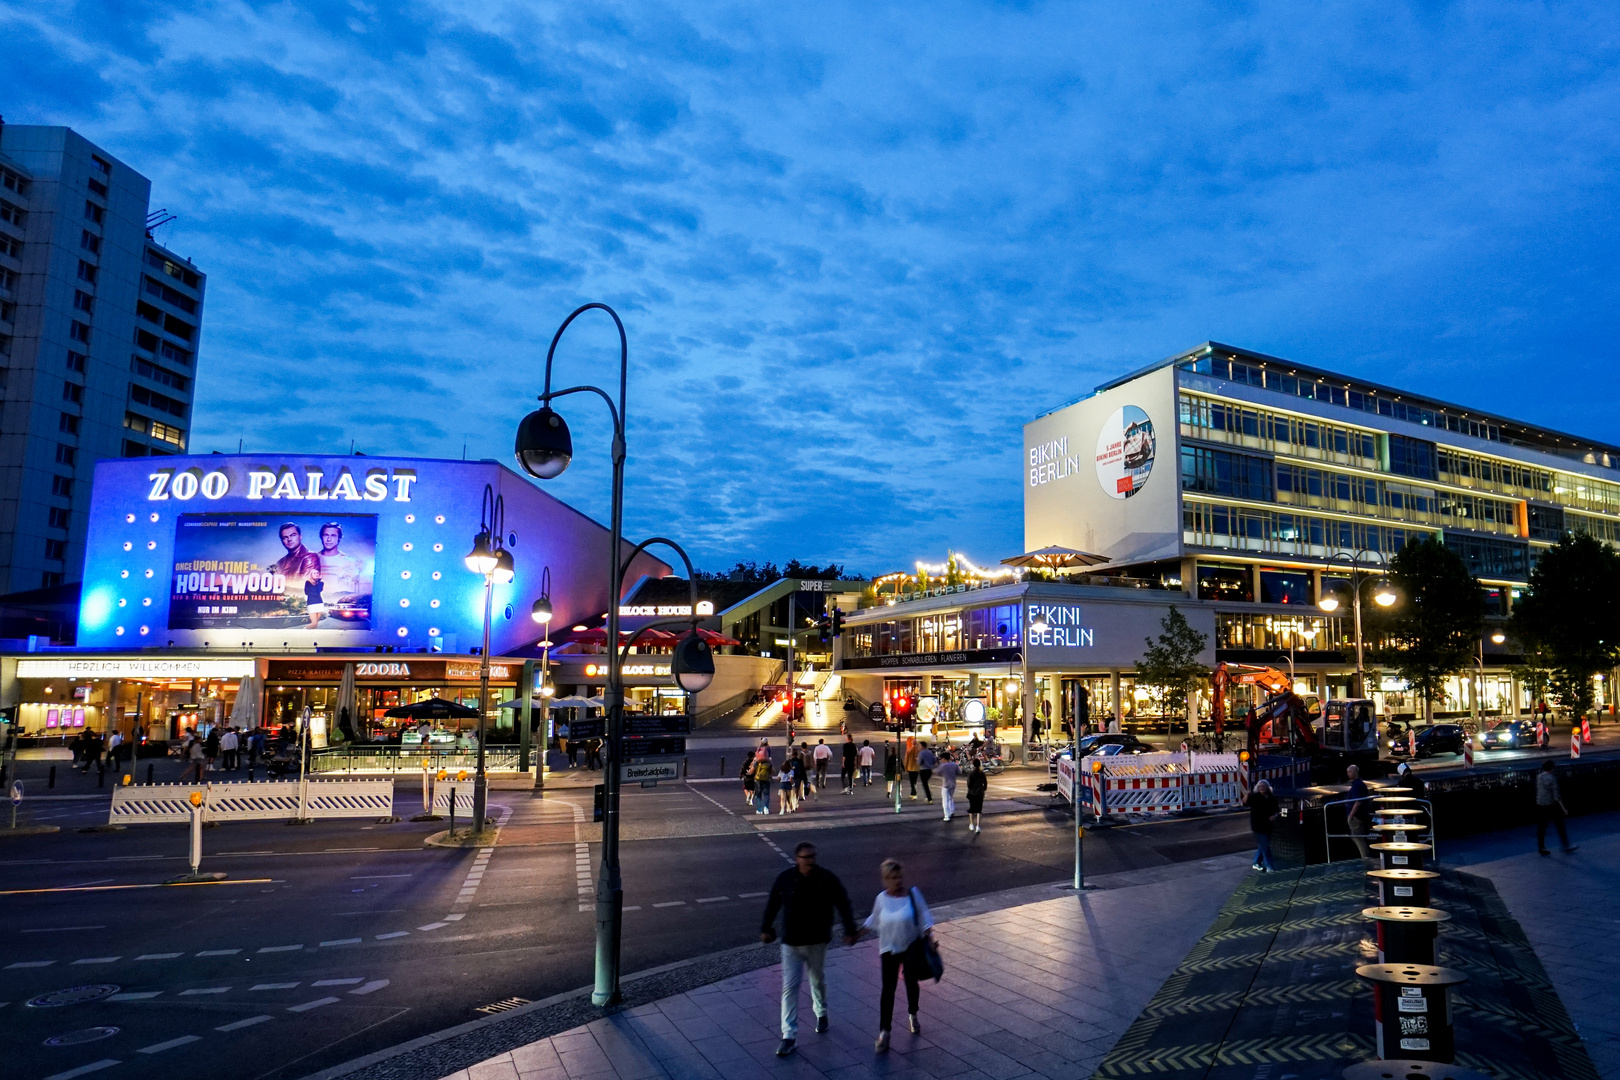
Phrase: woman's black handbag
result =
(924, 945)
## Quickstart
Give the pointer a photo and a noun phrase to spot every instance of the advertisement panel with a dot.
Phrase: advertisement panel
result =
(287, 571)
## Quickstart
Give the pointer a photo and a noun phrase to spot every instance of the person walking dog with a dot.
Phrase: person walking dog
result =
(904, 928)
(807, 896)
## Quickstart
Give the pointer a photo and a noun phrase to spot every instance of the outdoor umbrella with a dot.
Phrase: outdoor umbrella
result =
(1055, 558)
(245, 710)
(345, 703)
(714, 638)
(574, 701)
(598, 636)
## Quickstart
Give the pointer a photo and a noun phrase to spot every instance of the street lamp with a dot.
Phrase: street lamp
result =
(541, 613)
(490, 559)
(1497, 637)
(1384, 596)
(544, 448)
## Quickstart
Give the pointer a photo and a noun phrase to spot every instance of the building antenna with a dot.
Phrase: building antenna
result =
(238, 446)
(351, 448)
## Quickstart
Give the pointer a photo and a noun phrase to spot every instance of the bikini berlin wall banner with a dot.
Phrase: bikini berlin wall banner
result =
(1125, 450)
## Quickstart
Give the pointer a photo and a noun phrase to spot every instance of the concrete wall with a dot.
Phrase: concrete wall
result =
(734, 674)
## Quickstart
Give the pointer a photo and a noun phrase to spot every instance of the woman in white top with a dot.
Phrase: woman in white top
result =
(902, 921)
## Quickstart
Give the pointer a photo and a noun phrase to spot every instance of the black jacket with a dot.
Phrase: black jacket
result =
(807, 903)
(1262, 807)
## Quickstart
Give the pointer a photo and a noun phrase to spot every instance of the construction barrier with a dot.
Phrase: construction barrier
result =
(1586, 730)
(461, 790)
(1468, 752)
(1155, 783)
(1574, 742)
(274, 800)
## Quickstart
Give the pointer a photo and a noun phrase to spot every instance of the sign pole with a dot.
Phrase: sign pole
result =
(303, 770)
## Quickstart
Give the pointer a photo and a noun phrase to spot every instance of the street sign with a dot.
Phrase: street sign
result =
(637, 748)
(650, 724)
(650, 770)
(875, 711)
(584, 729)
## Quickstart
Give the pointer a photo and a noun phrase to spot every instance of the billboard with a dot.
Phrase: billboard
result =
(285, 552)
(284, 571)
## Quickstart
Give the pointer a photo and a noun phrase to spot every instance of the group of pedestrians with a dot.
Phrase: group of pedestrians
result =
(808, 897)
(802, 775)
(225, 747)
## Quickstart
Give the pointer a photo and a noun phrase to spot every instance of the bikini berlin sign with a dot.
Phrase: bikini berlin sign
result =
(1063, 626)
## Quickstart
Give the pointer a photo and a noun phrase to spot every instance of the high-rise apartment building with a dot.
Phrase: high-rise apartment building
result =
(99, 327)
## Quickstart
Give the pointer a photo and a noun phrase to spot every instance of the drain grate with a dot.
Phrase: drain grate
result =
(73, 995)
(503, 1005)
(82, 1036)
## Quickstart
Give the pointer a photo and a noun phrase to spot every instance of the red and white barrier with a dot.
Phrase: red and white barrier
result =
(1468, 752)
(1574, 742)
(1586, 731)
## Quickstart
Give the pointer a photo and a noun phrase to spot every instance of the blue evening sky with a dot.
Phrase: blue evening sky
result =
(856, 246)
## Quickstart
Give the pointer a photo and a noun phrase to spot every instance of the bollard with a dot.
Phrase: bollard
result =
(722, 764)
(196, 801)
(1575, 743)
(51, 781)
(1586, 730)
(452, 813)
(683, 768)
(1406, 934)
(1468, 752)
(150, 768)
(1401, 856)
(101, 775)
(1396, 887)
(1412, 1010)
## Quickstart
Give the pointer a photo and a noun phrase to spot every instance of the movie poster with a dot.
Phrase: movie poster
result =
(292, 571)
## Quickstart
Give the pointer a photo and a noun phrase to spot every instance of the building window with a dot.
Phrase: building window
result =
(87, 272)
(8, 312)
(59, 517)
(68, 423)
(56, 550)
(13, 182)
(79, 331)
(75, 361)
(62, 486)
(1413, 457)
(178, 327)
(94, 213)
(170, 352)
(142, 396)
(157, 374)
(65, 454)
(98, 187)
(134, 449)
(83, 301)
(1546, 522)
(100, 164)
(1225, 583)
(12, 215)
(1221, 472)
(170, 296)
(1285, 587)
(1488, 556)
(146, 340)
(73, 392)
(172, 268)
(50, 579)
(8, 279)
(90, 242)
(169, 433)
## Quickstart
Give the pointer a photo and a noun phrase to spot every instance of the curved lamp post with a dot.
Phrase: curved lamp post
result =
(490, 558)
(544, 448)
(1384, 596)
(541, 613)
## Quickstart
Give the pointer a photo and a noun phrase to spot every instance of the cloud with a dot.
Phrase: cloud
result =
(855, 248)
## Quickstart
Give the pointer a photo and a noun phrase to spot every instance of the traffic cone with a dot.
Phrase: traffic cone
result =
(1574, 742)
(1586, 730)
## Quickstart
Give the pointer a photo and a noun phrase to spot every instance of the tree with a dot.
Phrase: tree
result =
(1572, 609)
(1433, 630)
(1171, 668)
(1534, 671)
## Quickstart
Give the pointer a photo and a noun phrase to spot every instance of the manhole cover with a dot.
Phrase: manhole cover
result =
(73, 995)
(83, 1035)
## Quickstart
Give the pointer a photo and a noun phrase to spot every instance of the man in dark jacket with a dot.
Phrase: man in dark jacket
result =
(807, 896)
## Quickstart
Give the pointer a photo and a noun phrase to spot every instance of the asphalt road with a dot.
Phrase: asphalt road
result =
(332, 940)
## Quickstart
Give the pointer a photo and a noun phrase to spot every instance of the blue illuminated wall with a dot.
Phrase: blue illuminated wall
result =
(427, 513)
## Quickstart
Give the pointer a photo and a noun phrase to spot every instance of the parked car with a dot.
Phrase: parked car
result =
(1128, 744)
(1508, 735)
(1432, 740)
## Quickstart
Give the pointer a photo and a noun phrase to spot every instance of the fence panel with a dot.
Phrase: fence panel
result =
(274, 800)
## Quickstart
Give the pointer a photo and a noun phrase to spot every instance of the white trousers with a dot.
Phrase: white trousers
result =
(949, 793)
(795, 958)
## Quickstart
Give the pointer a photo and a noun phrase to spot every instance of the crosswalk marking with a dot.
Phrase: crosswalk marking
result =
(159, 956)
(281, 948)
(273, 986)
(135, 995)
(308, 1005)
(219, 952)
(158, 1048)
(238, 1025)
(342, 941)
(29, 964)
(94, 1066)
(371, 987)
(206, 990)
(98, 960)
(337, 982)
(395, 934)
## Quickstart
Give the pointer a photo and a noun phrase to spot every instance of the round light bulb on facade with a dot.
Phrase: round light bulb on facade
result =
(692, 663)
(541, 612)
(543, 447)
(1328, 602)
(1498, 637)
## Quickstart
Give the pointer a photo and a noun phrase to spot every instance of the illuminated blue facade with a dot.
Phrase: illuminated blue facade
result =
(270, 552)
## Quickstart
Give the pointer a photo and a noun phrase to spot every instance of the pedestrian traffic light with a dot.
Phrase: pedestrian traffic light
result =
(837, 622)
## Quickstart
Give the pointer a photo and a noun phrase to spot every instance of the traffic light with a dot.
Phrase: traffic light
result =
(837, 622)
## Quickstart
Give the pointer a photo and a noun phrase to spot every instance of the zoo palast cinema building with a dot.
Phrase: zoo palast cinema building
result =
(1238, 486)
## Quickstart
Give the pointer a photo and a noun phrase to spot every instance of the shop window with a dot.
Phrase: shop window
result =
(1285, 587)
(1225, 583)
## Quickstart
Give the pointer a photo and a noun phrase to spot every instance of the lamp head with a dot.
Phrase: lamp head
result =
(1038, 624)
(1497, 637)
(1328, 602)
(481, 559)
(505, 568)
(693, 663)
(1384, 593)
(544, 448)
(541, 612)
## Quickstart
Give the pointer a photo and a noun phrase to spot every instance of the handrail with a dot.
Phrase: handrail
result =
(1328, 838)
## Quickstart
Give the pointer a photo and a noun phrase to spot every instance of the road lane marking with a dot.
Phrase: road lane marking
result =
(205, 990)
(751, 895)
(395, 934)
(627, 907)
(219, 952)
(118, 888)
(98, 960)
(371, 987)
(337, 982)
(158, 1048)
(240, 1024)
(281, 948)
(435, 925)
(377, 877)
(350, 849)
(142, 995)
(308, 1005)
(94, 1066)
(63, 929)
(671, 903)
(342, 941)
(29, 964)
(159, 956)
(712, 899)
(455, 917)
(273, 986)
(223, 853)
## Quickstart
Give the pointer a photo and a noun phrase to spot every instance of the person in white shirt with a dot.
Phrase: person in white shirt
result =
(228, 744)
(822, 754)
(867, 756)
(901, 919)
(947, 783)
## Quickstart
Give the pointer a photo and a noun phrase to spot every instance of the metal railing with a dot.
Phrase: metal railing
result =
(1370, 837)
(346, 760)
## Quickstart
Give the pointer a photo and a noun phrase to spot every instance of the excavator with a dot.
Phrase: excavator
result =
(1332, 734)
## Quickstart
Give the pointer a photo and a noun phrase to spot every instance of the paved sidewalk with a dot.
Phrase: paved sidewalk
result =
(1036, 990)
(1569, 908)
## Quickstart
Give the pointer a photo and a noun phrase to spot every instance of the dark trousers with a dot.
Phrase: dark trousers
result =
(892, 963)
(1358, 834)
(847, 775)
(911, 774)
(1555, 815)
(927, 775)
